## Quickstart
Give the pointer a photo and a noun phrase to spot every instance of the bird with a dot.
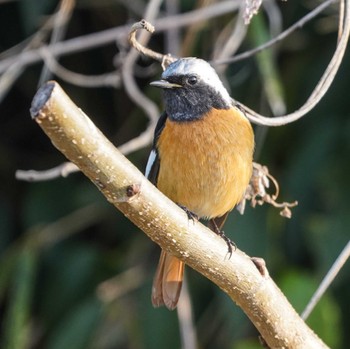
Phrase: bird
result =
(201, 157)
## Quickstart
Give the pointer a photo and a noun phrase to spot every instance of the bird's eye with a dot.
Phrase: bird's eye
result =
(192, 80)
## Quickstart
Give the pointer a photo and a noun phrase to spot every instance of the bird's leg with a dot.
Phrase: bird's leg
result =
(191, 216)
(221, 233)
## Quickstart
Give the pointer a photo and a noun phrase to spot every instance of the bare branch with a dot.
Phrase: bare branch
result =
(164, 222)
(307, 18)
(94, 40)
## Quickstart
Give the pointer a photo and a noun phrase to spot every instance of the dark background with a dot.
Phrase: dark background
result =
(60, 239)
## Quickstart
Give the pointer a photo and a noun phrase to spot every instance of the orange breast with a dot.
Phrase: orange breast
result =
(206, 165)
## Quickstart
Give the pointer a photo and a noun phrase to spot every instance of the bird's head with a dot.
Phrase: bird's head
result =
(191, 89)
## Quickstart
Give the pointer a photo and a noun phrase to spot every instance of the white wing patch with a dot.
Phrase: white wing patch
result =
(151, 159)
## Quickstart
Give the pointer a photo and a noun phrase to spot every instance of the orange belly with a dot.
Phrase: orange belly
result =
(206, 165)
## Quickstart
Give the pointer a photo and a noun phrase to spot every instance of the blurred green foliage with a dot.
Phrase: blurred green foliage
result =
(60, 240)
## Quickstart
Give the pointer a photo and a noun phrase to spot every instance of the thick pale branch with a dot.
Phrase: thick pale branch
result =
(74, 134)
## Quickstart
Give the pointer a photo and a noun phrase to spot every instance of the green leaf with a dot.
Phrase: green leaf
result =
(20, 299)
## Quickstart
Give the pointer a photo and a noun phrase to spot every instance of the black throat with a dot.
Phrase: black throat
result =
(189, 104)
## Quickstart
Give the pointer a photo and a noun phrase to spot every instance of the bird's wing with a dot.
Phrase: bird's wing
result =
(153, 163)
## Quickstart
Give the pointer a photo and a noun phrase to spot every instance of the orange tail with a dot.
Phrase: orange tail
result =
(167, 281)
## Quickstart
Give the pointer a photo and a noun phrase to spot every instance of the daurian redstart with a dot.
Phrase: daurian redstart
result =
(201, 158)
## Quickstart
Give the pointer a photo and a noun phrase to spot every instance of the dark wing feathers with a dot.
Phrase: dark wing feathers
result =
(153, 163)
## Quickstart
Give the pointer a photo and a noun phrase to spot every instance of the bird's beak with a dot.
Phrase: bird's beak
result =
(164, 84)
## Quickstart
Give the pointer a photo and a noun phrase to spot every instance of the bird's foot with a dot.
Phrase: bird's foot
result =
(230, 244)
(191, 216)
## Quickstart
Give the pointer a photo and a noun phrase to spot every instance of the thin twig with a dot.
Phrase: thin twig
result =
(233, 42)
(328, 279)
(321, 87)
(62, 170)
(172, 37)
(109, 79)
(61, 20)
(274, 15)
(133, 91)
(143, 24)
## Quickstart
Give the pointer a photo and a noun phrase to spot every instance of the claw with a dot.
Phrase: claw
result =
(192, 216)
(228, 241)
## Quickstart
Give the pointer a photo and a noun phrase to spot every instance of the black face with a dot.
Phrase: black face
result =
(191, 101)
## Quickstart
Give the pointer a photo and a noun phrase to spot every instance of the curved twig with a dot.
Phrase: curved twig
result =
(109, 79)
(165, 60)
(133, 91)
(322, 86)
